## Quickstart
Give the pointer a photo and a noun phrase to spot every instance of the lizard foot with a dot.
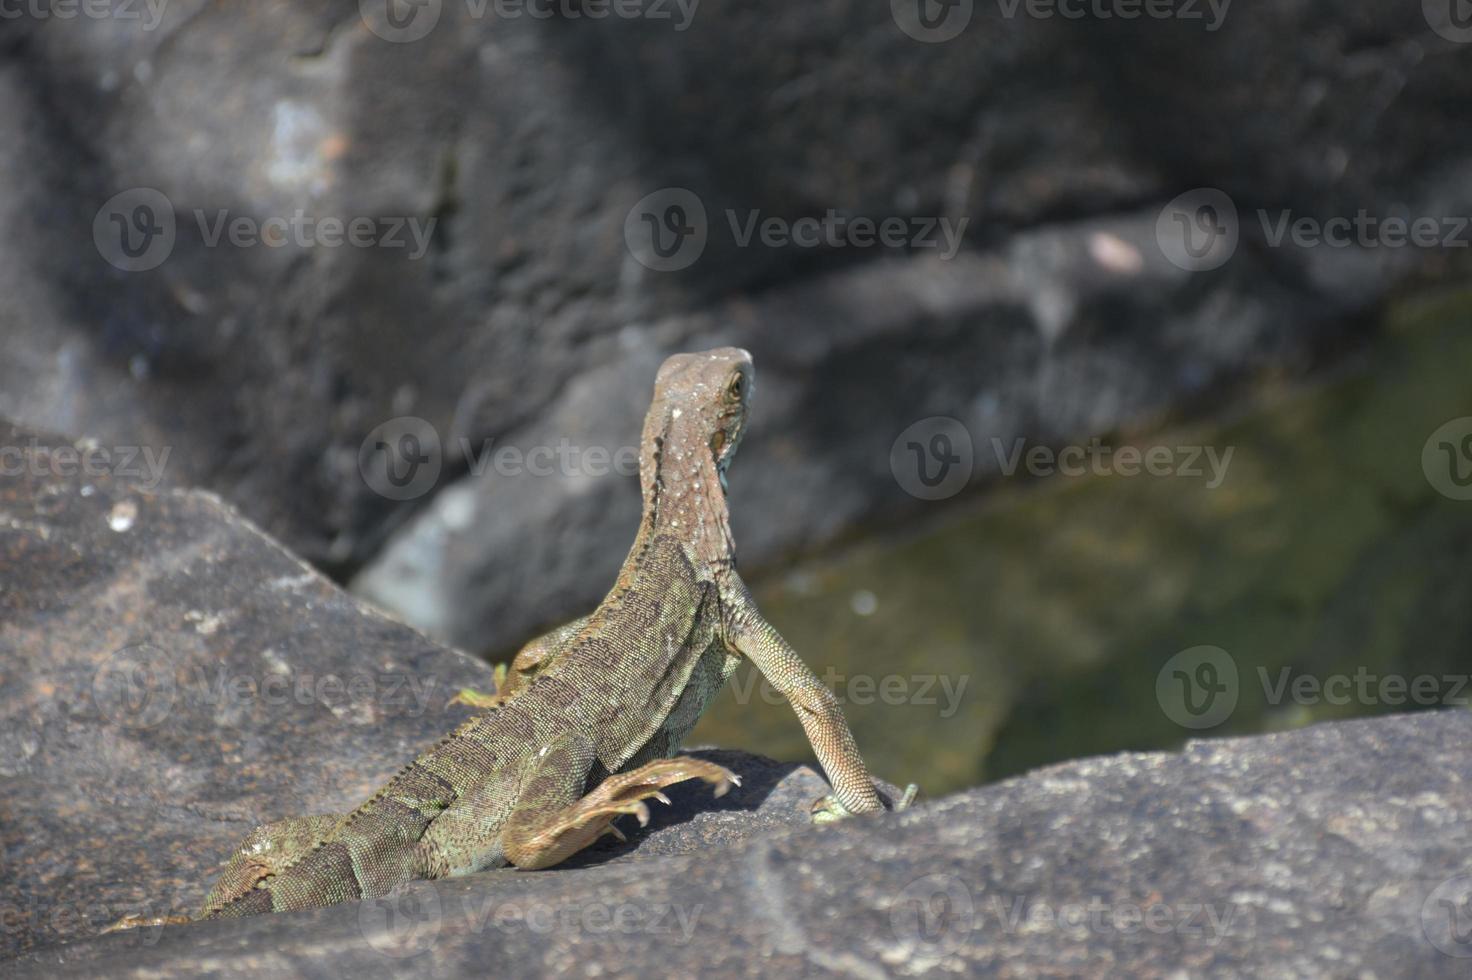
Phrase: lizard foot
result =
(830, 810)
(583, 822)
(480, 699)
(145, 921)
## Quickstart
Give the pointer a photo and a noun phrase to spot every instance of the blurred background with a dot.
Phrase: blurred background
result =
(1112, 359)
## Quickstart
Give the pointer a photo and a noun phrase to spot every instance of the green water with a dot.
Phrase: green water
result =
(1030, 625)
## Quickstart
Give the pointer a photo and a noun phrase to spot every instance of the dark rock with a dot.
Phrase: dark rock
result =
(528, 141)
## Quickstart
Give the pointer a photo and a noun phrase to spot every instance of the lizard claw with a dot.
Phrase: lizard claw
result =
(142, 921)
(830, 810)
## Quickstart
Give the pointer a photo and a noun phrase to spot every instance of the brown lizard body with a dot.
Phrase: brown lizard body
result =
(583, 730)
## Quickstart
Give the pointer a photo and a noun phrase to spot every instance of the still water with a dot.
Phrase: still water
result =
(1325, 571)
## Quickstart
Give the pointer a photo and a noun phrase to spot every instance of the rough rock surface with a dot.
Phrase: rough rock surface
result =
(170, 677)
(529, 321)
(1344, 849)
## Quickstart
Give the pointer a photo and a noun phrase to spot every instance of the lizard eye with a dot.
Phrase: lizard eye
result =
(738, 383)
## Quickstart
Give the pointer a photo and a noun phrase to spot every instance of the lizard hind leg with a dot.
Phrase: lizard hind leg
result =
(540, 836)
(264, 852)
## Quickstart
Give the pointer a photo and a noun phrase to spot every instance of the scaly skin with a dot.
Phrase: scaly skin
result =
(584, 727)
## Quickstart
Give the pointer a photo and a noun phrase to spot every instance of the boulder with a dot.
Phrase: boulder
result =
(169, 677)
(520, 149)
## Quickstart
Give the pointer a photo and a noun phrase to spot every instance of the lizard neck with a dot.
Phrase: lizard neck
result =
(683, 499)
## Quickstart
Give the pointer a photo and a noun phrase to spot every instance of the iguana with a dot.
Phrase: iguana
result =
(583, 729)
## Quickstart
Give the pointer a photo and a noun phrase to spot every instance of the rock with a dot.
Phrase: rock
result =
(170, 677)
(166, 680)
(528, 142)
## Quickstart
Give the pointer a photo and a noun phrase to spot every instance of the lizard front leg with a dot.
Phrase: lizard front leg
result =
(750, 635)
(550, 823)
(532, 657)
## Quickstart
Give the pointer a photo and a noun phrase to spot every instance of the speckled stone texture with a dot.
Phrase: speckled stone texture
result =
(1341, 850)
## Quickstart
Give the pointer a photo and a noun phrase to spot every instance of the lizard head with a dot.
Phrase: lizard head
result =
(697, 417)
